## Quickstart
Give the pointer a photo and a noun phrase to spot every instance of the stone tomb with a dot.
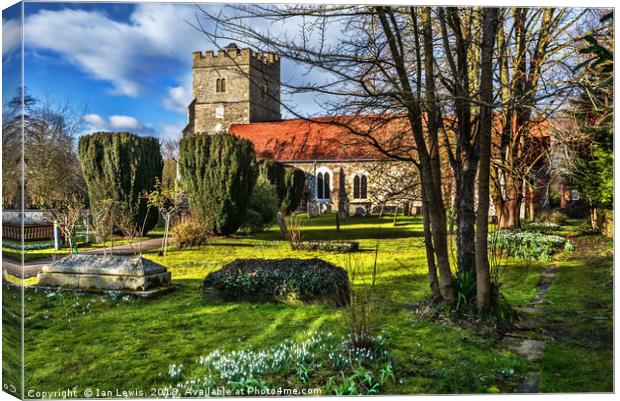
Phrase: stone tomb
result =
(111, 272)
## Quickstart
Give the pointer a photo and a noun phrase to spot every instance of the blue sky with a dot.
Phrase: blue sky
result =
(130, 64)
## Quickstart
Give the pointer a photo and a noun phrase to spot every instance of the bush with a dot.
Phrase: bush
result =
(289, 183)
(552, 216)
(120, 166)
(294, 183)
(189, 233)
(279, 279)
(218, 173)
(327, 246)
(263, 206)
(528, 245)
(274, 171)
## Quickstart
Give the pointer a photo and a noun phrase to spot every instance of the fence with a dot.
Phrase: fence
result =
(31, 232)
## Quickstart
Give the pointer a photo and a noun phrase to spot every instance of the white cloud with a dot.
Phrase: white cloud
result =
(177, 98)
(128, 55)
(95, 122)
(11, 35)
(157, 40)
(124, 122)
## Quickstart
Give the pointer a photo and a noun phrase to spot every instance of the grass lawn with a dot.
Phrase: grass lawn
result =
(106, 342)
(579, 310)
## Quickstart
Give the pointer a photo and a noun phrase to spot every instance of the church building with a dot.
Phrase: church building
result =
(238, 91)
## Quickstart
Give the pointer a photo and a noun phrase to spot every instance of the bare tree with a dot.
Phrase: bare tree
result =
(123, 218)
(535, 50)
(169, 201)
(490, 22)
(66, 213)
(170, 154)
(51, 166)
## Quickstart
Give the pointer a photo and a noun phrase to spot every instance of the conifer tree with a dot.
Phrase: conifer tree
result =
(121, 167)
(218, 173)
(294, 181)
(274, 171)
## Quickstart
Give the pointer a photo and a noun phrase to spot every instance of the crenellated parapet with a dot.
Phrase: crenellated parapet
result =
(232, 55)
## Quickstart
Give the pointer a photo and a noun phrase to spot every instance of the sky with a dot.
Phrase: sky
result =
(128, 64)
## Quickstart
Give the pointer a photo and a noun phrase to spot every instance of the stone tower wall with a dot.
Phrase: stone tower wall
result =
(252, 88)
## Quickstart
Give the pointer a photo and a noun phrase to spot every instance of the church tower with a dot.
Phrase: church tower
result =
(231, 87)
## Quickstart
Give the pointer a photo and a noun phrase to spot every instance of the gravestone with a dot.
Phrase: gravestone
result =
(111, 272)
(313, 209)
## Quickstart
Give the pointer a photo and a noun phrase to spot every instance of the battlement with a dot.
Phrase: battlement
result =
(232, 55)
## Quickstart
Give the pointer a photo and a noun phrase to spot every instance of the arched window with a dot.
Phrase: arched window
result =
(364, 187)
(220, 85)
(323, 184)
(360, 186)
(328, 181)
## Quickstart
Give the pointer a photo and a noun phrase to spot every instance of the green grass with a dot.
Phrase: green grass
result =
(579, 310)
(96, 341)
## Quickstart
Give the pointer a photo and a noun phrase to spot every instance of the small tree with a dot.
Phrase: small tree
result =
(168, 201)
(102, 224)
(66, 214)
(218, 174)
(294, 182)
(123, 217)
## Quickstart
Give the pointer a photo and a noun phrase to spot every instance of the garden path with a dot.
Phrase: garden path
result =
(527, 338)
(31, 268)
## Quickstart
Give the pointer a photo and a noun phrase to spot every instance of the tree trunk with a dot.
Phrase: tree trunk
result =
(595, 219)
(440, 239)
(466, 218)
(430, 252)
(483, 276)
(431, 169)
(510, 207)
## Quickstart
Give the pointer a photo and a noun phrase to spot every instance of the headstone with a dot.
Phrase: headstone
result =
(111, 272)
(313, 209)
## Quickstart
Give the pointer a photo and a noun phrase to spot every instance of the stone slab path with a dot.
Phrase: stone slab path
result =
(33, 267)
(526, 338)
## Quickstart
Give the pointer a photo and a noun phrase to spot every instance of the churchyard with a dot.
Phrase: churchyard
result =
(114, 342)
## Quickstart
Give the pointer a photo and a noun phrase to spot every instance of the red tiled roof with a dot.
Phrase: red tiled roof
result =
(321, 138)
(339, 138)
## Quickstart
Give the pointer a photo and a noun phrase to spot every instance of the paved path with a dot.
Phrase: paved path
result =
(527, 338)
(31, 268)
